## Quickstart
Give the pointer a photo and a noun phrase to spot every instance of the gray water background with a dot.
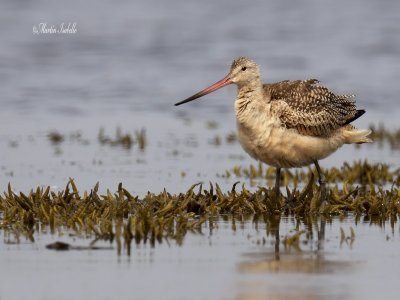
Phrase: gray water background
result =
(130, 61)
(126, 66)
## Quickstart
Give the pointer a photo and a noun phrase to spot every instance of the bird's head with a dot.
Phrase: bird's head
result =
(243, 72)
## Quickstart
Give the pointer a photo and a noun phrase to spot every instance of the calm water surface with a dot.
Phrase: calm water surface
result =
(130, 61)
(125, 67)
(219, 264)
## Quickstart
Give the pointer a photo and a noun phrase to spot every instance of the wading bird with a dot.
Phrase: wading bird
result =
(291, 123)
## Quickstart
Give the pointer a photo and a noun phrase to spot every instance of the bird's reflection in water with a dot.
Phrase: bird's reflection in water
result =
(297, 252)
(289, 255)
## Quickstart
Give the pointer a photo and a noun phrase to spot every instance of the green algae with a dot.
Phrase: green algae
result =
(359, 171)
(126, 218)
(368, 191)
(121, 139)
(382, 135)
(126, 140)
(55, 137)
(212, 124)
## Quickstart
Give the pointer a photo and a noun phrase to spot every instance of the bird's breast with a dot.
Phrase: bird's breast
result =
(263, 137)
(256, 129)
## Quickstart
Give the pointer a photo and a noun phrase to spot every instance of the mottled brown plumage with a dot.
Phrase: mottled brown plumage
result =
(309, 108)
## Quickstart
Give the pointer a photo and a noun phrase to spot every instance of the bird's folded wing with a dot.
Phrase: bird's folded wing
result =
(309, 108)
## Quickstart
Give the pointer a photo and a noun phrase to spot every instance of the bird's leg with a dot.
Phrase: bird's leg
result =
(321, 181)
(277, 182)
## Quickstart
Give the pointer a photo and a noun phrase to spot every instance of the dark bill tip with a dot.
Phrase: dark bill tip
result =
(219, 84)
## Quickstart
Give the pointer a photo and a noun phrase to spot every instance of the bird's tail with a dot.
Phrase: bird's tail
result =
(353, 135)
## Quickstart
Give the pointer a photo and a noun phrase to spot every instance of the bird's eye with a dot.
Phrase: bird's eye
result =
(244, 68)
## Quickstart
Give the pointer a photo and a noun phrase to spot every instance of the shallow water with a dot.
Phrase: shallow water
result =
(219, 264)
(130, 70)
(129, 62)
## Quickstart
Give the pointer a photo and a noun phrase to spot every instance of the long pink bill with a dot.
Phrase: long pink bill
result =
(219, 84)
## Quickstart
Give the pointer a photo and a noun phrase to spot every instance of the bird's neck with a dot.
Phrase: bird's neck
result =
(252, 89)
(253, 84)
(250, 100)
